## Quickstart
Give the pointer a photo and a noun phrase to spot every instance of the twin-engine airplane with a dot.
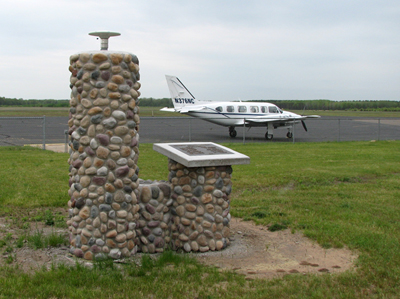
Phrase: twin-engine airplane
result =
(233, 114)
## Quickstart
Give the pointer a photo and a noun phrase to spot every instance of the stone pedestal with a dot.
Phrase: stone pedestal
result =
(103, 128)
(200, 209)
(200, 193)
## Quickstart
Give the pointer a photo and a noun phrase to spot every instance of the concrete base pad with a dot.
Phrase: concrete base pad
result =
(56, 147)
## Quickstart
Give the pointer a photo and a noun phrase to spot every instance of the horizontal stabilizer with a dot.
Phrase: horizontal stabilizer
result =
(193, 109)
(166, 109)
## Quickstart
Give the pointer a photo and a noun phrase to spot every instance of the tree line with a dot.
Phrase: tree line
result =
(148, 102)
(337, 105)
(302, 104)
(284, 104)
(33, 103)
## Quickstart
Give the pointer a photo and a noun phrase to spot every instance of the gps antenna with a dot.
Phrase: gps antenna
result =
(104, 35)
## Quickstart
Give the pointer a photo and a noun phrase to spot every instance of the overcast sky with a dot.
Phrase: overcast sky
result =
(220, 49)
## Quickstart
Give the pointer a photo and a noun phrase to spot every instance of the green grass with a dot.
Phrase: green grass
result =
(39, 240)
(171, 276)
(338, 194)
(32, 178)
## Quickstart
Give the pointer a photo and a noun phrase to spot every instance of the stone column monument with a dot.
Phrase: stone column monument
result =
(103, 128)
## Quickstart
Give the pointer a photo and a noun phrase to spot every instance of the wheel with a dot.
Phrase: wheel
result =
(289, 135)
(233, 133)
(268, 136)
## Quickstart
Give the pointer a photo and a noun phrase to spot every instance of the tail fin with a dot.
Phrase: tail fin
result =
(180, 95)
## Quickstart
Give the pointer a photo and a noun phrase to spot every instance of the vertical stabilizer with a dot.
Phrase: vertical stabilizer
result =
(180, 95)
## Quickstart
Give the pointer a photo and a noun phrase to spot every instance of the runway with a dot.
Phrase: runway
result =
(183, 129)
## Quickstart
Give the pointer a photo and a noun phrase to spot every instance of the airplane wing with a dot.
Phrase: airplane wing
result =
(263, 119)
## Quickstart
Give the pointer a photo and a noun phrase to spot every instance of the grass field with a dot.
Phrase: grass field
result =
(339, 194)
(32, 111)
(39, 111)
(155, 112)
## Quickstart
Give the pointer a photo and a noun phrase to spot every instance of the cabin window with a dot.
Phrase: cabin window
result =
(254, 109)
(230, 109)
(242, 108)
(264, 109)
(273, 109)
(219, 109)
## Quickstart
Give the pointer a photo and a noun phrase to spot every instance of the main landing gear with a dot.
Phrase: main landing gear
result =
(289, 135)
(232, 132)
(268, 136)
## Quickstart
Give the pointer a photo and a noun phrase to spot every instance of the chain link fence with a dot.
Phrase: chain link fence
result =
(45, 130)
(185, 129)
(23, 130)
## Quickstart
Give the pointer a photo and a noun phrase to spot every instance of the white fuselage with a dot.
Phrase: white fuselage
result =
(252, 114)
(232, 114)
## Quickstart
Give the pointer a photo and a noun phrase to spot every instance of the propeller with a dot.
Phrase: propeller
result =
(303, 122)
(304, 125)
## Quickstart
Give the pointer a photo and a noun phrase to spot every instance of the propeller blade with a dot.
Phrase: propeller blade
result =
(304, 125)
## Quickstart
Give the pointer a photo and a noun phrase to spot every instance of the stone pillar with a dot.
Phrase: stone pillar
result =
(103, 128)
(200, 209)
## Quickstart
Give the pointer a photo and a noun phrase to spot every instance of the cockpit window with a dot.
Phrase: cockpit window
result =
(219, 109)
(273, 109)
(242, 108)
(230, 109)
(254, 109)
(264, 109)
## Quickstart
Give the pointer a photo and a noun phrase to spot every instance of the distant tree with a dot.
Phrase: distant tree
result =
(151, 102)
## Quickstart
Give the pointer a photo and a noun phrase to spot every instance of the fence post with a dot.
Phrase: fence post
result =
(190, 129)
(66, 141)
(44, 132)
(379, 129)
(293, 126)
(244, 131)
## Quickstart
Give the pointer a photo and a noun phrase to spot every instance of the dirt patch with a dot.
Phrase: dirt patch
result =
(254, 252)
(27, 258)
(257, 252)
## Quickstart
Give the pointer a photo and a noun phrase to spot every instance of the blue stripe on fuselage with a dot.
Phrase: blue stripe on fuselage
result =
(228, 114)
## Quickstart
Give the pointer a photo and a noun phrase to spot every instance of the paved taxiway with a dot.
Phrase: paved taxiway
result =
(183, 129)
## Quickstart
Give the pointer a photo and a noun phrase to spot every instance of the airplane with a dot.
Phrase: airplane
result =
(233, 114)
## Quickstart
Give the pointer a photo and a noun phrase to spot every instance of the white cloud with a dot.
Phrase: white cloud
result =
(220, 49)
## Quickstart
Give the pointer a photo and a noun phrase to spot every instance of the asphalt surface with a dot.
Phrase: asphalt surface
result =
(20, 131)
